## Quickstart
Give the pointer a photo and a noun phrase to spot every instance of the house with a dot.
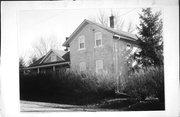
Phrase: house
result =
(100, 49)
(54, 60)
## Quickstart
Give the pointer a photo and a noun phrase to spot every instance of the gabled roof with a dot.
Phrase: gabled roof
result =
(58, 53)
(125, 35)
(65, 56)
(37, 62)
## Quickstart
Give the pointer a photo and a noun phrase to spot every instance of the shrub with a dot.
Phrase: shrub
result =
(145, 83)
(66, 87)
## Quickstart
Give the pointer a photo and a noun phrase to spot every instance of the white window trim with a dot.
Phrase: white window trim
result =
(79, 43)
(97, 39)
(80, 66)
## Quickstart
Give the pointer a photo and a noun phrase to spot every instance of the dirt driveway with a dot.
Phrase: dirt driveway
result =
(31, 106)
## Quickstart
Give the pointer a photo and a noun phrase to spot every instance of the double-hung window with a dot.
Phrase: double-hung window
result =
(99, 66)
(81, 42)
(82, 66)
(98, 39)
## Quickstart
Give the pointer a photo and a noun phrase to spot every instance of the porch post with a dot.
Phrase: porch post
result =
(38, 70)
(54, 68)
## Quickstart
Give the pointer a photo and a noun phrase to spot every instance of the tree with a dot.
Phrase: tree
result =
(21, 62)
(43, 45)
(103, 19)
(130, 27)
(32, 60)
(150, 39)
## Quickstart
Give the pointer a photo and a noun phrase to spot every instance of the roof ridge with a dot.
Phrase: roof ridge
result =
(126, 35)
(58, 50)
(112, 29)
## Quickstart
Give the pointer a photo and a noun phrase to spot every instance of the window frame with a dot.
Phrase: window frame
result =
(95, 36)
(99, 66)
(79, 42)
(82, 66)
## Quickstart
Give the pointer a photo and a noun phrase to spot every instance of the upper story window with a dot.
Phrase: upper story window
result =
(82, 66)
(53, 58)
(81, 42)
(99, 66)
(98, 39)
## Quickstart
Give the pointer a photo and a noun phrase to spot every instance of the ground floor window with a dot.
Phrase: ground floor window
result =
(99, 66)
(82, 66)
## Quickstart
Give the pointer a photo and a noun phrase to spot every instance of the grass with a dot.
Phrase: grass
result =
(146, 106)
(148, 82)
(118, 103)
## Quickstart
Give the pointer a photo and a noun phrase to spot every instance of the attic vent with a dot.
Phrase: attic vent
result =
(53, 58)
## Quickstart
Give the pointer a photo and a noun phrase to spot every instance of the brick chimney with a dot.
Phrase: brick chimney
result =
(111, 21)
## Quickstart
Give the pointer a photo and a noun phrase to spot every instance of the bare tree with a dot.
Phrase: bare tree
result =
(21, 62)
(119, 23)
(102, 18)
(40, 48)
(130, 27)
(43, 45)
(32, 60)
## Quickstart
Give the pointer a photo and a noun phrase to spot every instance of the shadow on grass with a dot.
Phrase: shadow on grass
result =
(147, 106)
(133, 105)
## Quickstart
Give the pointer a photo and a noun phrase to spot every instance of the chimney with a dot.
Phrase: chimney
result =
(66, 46)
(111, 21)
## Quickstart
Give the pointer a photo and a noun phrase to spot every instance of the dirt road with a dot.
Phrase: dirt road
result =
(31, 106)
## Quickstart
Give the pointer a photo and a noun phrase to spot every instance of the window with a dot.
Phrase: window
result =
(99, 66)
(81, 42)
(128, 46)
(53, 58)
(82, 66)
(98, 39)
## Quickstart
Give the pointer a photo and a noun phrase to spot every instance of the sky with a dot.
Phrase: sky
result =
(60, 23)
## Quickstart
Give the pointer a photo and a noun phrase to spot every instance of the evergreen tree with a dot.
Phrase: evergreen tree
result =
(150, 39)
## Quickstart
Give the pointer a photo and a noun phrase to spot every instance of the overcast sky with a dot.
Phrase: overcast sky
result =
(60, 23)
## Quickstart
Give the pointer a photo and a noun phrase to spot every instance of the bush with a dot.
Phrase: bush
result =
(147, 82)
(66, 87)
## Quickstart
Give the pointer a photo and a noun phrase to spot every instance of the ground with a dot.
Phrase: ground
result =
(31, 106)
(108, 105)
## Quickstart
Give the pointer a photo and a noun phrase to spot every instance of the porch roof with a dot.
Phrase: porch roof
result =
(47, 65)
